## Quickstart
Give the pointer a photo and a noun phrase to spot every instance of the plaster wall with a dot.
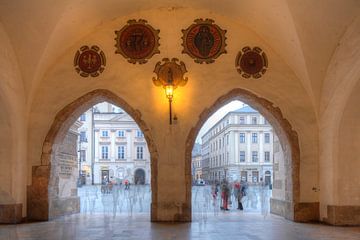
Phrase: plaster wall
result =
(348, 164)
(61, 85)
(13, 121)
(342, 76)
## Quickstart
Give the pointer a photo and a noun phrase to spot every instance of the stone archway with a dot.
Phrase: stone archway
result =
(40, 190)
(290, 207)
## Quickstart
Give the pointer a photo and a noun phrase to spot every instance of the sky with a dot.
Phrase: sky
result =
(219, 114)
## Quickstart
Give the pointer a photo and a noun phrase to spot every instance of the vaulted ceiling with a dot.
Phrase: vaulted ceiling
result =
(305, 34)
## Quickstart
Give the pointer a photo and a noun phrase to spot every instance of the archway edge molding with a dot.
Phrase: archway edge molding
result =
(292, 208)
(61, 124)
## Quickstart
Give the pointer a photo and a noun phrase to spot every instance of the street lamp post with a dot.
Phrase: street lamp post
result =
(92, 145)
(79, 179)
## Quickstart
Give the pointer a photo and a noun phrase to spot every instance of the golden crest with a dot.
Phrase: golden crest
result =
(204, 41)
(137, 41)
(170, 72)
(89, 61)
(251, 62)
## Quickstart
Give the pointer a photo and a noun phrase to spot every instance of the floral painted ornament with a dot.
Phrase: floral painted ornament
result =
(204, 41)
(137, 41)
(251, 62)
(89, 61)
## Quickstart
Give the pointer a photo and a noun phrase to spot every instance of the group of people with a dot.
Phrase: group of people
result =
(107, 184)
(239, 190)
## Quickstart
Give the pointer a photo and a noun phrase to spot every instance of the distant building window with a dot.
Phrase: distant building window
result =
(121, 152)
(83, 136)
(242, 137)
(82, 155)
(227, 139)
(139, 152)
(104, 152)
(267, 137)
(139, 133)
(267, 157)
(83, 117)
(255, 156)
(242, 156)
(121, 133)
(266, 121)
(220, 143)
(254, 138)
(242, 120)
(254, 120)
(104, 133)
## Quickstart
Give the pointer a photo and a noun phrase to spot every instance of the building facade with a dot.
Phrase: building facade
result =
(239, 147)
(196, 163)
(112, 146)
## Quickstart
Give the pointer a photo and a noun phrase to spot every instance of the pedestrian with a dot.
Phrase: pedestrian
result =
(238, 195)
(225, 193)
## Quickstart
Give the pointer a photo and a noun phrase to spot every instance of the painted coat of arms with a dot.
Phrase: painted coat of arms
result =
(204, 41)
(251, 62)
(137, 41)
(89, 61)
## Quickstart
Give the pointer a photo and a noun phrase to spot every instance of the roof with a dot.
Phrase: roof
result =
(246, 109)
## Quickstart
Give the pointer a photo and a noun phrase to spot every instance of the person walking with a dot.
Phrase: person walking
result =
(225, 192)
(238, 195)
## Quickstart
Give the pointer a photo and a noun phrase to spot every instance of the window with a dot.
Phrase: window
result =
(83, 117)
(267, 157)
(242, 120)
(220, 143)
(253, 120)
(242, 156)
(82, 155)
(104, 133)
(139, 152)
(254, 138)
(121, 152)
(139, 133)
(267, 137)
(121, 133)
(83, 136)
(104, 152)
(227, 139)
(266, 122)
(254, 156)
(242, 137)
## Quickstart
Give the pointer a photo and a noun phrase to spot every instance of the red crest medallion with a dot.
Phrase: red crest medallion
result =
(137, 41)
(204, 41)
(89, 61)
(251, 62)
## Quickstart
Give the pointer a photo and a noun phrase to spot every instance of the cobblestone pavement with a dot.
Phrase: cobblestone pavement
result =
(227, 225)
(129, 218)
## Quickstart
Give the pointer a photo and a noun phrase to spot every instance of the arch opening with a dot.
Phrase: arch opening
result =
(288, 190)
(120, 140)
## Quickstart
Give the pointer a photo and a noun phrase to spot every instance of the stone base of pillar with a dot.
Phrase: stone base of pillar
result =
(343, 215)
(10, 213)
(297, 212)
(170, 212)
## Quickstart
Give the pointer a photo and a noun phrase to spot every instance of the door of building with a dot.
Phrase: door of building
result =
(267, 177)
(255, 176)
(139, 176)
(104, 176)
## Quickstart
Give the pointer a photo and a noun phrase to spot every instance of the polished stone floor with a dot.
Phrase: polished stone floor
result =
(227, 225)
